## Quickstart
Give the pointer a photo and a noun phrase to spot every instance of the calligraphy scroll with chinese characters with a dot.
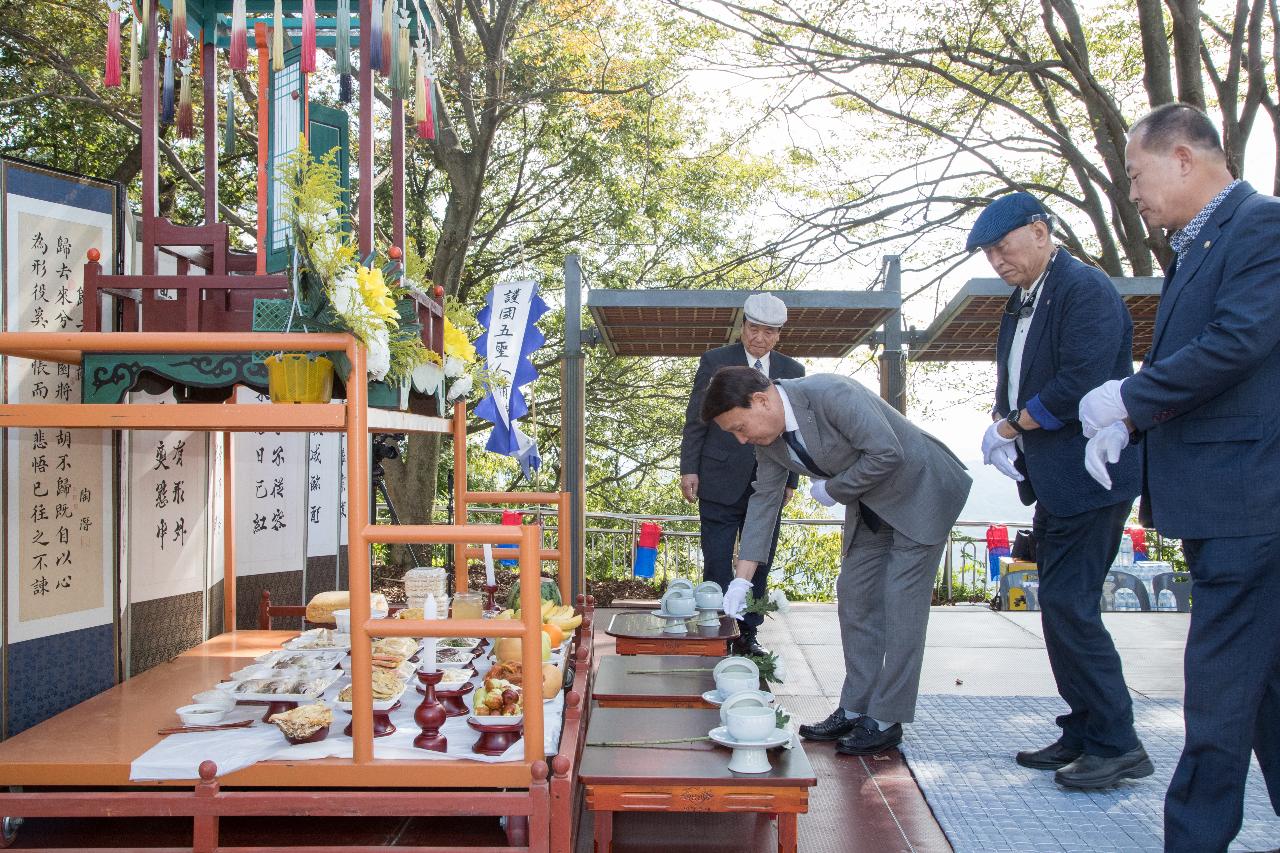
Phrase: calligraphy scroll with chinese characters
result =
(60, 536)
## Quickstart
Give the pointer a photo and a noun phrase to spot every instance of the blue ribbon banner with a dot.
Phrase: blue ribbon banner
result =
(510, 336)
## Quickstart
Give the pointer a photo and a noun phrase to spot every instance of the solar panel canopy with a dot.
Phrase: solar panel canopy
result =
(687, 323)
(967, 328)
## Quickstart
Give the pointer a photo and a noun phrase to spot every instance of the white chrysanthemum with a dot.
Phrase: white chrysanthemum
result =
(379, 353)
(779, 598)
(427, 377)
(346, 294)
(454, 366)
(460, 389)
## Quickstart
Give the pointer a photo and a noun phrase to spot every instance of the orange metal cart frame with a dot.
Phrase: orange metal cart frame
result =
(544, 794)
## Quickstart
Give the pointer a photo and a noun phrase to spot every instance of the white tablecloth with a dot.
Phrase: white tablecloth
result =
(179, 756)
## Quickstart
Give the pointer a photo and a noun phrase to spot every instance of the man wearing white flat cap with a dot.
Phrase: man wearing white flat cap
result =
(716, 470)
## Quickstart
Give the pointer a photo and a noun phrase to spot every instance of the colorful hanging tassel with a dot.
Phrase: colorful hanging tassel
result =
(404, 58)
(239, 37)
(342, 49)
(179, 30)
(186, 120)
(148, 29)
(308, 59)
(375, 39)
(424, 105)
(166, 93)
(135, 63)
(388, 30)
(277, 39)
(229, 132)
(393, 80)
(111, 78)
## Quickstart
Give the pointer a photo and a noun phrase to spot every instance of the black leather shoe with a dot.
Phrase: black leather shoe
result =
(867, 739)
(747, 645)
(831, 728)
(1052, 757)
(1096, 771)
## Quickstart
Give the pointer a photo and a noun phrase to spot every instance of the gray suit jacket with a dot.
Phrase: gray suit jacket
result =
(874, 455)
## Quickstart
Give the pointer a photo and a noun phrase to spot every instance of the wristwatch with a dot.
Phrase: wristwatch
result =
(1013, 421)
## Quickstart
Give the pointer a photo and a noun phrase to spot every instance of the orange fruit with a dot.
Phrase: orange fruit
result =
(554, 633)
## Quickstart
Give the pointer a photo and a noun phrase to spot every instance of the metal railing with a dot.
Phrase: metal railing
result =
(610, 543)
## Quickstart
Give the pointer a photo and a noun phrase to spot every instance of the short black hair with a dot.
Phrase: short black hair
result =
(731, 388)
(1171, 124)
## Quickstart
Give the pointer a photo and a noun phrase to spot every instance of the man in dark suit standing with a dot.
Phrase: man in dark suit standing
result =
(715, 470)
(1206, 411)
(1064, 331)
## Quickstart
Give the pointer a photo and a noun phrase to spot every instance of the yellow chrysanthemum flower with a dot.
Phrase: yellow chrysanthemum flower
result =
(456, 343)
(377, 296)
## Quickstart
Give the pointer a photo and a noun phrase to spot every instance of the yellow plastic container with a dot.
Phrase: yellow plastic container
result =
(294, 377)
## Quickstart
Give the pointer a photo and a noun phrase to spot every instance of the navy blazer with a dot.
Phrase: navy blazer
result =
(1080, 336)
(1208, 394)
(725, 468)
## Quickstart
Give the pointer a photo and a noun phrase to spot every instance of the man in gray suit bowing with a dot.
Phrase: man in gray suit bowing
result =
(902, 490)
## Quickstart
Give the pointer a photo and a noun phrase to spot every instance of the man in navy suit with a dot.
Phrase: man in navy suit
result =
(1064, 331)
(717, 471)
(1206, 411)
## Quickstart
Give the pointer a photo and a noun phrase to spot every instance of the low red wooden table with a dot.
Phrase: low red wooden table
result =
(653, 681)
(641, 633)
(687, 777)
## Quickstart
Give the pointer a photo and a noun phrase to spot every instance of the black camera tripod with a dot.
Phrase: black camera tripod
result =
(384, 447)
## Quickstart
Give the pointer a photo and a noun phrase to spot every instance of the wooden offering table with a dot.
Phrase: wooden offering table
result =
(654, 681)
(683, 777)
(640, 633)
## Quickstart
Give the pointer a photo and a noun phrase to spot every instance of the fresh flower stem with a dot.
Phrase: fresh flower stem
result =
(700, 669)
(645, 743)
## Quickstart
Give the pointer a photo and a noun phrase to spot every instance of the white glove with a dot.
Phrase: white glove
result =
(735, 598)
(1002, 457)
(818, 491)
(1102, 407)
(1104, 447)
(992, 439)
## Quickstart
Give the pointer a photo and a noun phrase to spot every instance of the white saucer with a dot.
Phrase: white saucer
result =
(720, 734)
(717, 698)
(675, 624)
(665, 615)
(749, 757)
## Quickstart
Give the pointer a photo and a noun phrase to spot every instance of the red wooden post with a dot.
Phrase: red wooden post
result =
(92, 309)
(150, 146)
(397, 171)
(204, 838)
(210, 63)
(364, 206)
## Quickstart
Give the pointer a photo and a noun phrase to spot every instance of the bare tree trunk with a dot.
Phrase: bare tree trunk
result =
(1155, 52)
(1186, 51)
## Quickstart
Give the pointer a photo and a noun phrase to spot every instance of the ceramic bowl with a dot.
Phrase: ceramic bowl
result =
(730, 683)
(751, 723)
(201, 715)
(221, 698)
(678, 602)
(342, 621)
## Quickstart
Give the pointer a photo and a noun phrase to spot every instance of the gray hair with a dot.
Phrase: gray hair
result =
(1172, 124)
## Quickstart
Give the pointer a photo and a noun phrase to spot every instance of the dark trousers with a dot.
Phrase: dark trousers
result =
(1074, 554)
(1232, 699)
(721, 527)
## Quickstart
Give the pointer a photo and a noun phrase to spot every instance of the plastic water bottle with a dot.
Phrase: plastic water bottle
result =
(1125, 557)
(1126, 599)
(1166, 600)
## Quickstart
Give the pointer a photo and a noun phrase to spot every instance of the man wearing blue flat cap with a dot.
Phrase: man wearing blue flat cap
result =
(1064, 331)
